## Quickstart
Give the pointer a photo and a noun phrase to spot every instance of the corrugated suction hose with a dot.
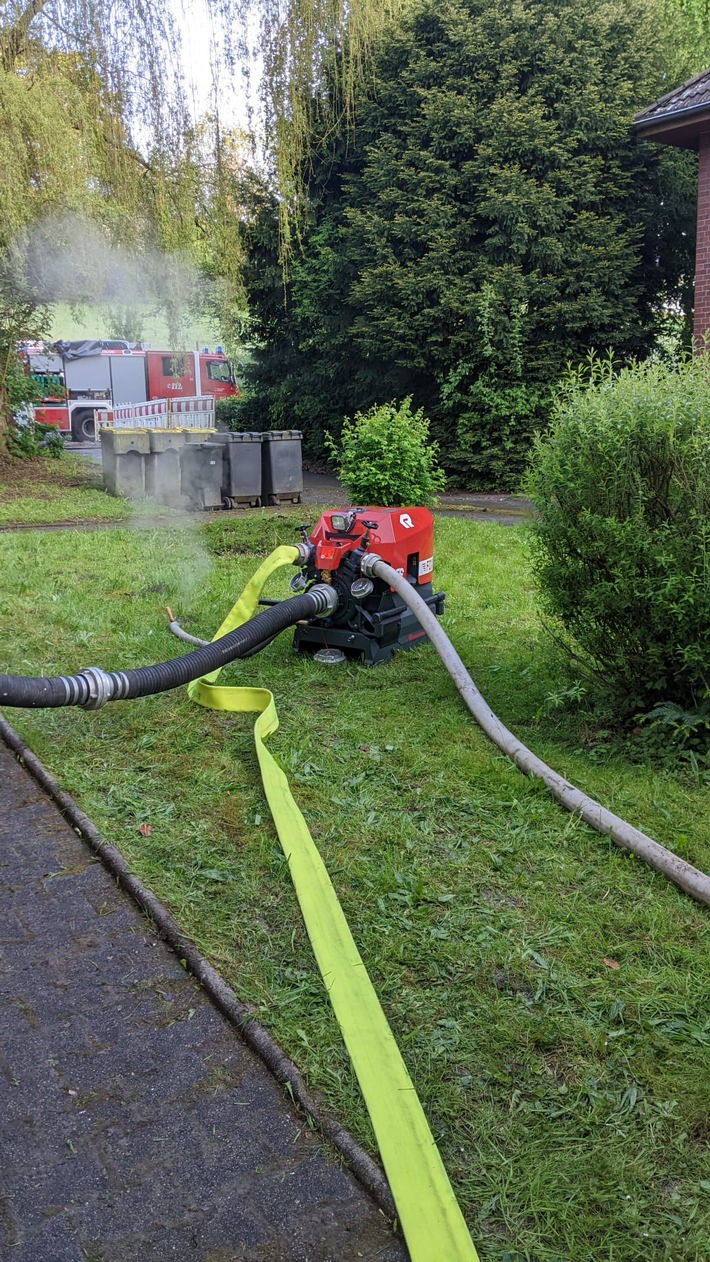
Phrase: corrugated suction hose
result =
(93, 687)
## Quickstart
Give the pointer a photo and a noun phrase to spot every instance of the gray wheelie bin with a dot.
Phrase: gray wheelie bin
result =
(201, 474)
(162, 466)
(281, 470)
(241, 468)
(124, 453)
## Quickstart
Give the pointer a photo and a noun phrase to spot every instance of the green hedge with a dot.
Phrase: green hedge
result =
(621, 545)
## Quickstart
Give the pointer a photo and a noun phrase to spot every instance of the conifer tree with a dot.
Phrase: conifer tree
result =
(492, 219)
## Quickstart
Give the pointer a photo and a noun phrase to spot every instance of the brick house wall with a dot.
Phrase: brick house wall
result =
(701, 324)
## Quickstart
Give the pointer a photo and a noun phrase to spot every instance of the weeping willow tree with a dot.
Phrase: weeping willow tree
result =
(223, 175)
(68, 108)
(87, 89)
(314, 51)
(94, 124)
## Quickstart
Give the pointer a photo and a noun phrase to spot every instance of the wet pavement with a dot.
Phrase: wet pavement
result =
(134, 1122)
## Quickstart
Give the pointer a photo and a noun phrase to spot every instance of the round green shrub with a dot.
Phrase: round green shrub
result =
(621, 544)
(385, 457)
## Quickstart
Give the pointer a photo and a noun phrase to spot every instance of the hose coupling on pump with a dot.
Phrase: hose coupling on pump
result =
(305, 552)
(367, 565)
(328, 600)
(100, 687)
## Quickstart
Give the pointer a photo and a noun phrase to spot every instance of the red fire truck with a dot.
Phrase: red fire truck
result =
(78, 378)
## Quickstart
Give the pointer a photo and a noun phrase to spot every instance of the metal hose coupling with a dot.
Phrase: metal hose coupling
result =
(327, 600)
(304, 552)
(100, 685)
(368, 563)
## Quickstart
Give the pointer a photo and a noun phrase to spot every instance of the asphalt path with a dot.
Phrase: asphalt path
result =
(134, 1122)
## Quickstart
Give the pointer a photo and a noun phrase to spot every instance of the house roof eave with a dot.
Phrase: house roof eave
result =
(678, 127)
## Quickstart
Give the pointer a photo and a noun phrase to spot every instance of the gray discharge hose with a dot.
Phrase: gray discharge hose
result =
(690, 879)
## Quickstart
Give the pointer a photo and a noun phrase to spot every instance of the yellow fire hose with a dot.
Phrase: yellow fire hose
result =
(430, 1218)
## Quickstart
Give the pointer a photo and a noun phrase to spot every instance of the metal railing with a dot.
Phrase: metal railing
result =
(193, 413)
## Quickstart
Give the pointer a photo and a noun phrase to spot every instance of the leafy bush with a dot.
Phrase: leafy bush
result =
(621, 544)
(20, 390)
(684, 734)
(26, 437)
(231, 414)
(386, 457)
(494, 425)
(29, 437)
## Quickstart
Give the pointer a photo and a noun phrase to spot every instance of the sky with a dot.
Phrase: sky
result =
(203, 48)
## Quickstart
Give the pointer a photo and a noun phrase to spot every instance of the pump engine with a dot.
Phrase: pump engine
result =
(370, 620)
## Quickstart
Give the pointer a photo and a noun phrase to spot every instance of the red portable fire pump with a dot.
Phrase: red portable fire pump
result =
(370, 619)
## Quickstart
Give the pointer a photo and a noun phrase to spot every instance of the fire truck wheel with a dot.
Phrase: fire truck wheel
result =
(83, 425)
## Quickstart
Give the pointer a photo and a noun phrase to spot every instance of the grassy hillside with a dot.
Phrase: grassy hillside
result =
(71, 325)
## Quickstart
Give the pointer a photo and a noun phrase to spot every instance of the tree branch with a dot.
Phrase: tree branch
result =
(14, 39)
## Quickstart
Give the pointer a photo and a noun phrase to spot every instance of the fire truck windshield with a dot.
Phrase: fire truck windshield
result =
(220, 370)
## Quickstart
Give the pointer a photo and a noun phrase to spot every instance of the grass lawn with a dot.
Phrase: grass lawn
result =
(49, 490)
(550, 994)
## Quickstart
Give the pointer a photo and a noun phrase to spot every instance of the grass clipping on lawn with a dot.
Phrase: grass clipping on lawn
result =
(549, 993)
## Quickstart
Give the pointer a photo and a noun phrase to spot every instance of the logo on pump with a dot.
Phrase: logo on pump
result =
(406, 521)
